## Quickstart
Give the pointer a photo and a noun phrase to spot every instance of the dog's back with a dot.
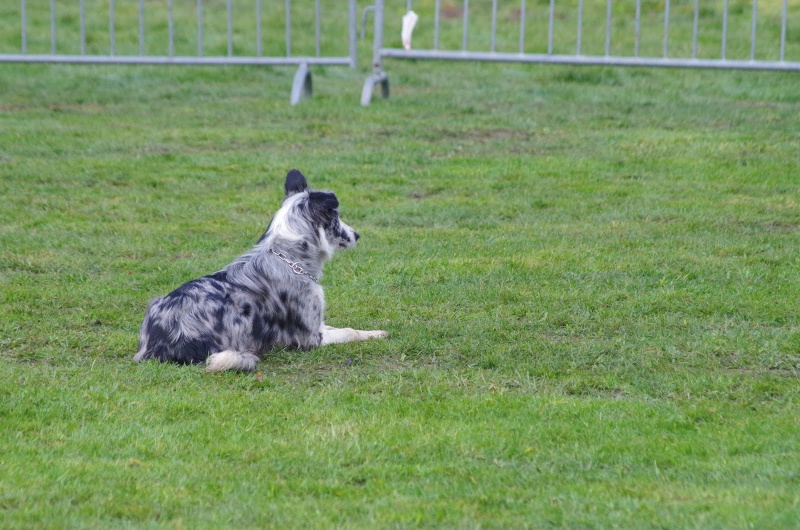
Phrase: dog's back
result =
(212, 314)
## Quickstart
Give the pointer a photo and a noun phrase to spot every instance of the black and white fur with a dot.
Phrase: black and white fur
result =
(230, 318)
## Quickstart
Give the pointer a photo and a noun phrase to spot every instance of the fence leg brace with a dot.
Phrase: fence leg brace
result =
(369, 87)
(302, 86)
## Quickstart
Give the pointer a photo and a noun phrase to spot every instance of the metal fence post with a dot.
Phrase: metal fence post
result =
(378, 75)
(353, 29)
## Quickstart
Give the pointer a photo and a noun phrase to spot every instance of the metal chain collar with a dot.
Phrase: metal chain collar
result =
(295, 266)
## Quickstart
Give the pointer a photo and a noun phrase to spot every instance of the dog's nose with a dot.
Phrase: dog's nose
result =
(357, 236)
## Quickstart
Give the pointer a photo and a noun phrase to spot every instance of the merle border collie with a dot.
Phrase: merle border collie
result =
(267, 297)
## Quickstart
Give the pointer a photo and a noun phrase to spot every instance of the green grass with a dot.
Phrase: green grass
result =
(589, 277)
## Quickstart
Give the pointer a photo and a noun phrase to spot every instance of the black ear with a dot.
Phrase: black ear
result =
(295, 182)
(323, 200)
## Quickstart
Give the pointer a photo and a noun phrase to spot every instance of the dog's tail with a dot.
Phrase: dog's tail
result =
(231, 360)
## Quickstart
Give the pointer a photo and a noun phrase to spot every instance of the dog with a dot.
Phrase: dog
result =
(267, 297)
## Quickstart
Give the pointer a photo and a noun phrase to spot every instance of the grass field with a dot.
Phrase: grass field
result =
(589, 277)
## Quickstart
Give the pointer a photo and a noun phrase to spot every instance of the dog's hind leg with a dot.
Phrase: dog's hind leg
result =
(231, 360)
(341, 335)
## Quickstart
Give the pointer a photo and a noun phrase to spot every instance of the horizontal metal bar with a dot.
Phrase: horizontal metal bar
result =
(399, 53)
(137, 59)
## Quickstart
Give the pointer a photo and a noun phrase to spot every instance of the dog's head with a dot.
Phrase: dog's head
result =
(311, 216)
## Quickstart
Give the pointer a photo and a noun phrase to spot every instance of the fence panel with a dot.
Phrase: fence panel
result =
(750, 34)
(188, 32)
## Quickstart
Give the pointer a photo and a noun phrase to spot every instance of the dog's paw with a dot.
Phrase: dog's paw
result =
(342, 335)
(231, 360)
(374, 335)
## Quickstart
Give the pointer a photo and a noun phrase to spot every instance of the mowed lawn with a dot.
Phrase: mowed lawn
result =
(589, 277)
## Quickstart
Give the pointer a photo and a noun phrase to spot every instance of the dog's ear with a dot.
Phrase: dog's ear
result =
(323, 200)
(295, 183)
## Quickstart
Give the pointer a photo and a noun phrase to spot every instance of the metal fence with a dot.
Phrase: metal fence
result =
(733, 34)
(188, 32)
(730, 34)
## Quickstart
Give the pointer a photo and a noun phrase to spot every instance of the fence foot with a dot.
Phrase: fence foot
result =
(369, 88)
(302, 86)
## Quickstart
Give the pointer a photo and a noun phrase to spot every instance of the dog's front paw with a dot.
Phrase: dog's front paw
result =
(377, 334)
(341, 335)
